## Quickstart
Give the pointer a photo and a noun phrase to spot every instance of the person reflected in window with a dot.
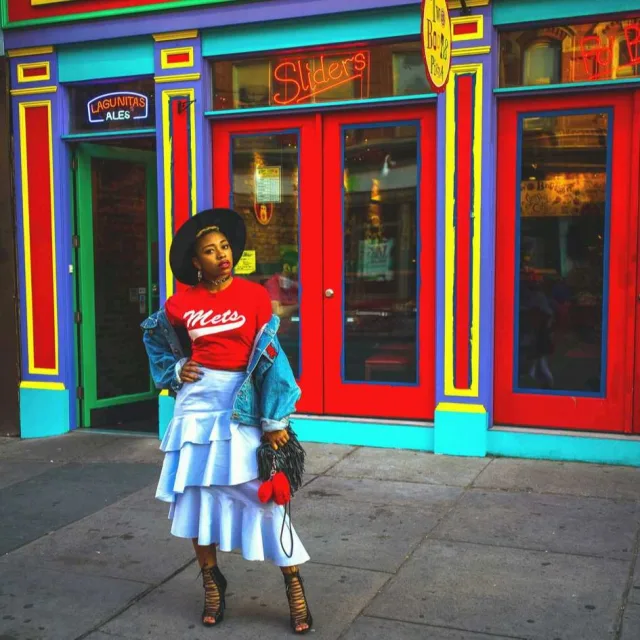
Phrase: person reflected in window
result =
(536, 323)
(283, 287)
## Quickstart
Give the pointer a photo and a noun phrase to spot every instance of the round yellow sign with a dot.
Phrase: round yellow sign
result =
(436, 42)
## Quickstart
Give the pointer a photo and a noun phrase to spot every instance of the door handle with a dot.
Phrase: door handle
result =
(329, 293)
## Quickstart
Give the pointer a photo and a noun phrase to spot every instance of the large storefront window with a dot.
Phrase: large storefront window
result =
(353, 73)
(570, 53)
(265, 189)
(380, 276)
(562, 252)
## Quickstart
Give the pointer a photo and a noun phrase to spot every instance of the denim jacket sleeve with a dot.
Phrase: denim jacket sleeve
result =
(276, 386)
(163, 364)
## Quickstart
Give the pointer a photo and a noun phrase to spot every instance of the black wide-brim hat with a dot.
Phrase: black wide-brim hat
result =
(182, 252)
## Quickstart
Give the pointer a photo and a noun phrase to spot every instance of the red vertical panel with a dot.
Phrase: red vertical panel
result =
(633, 331)
(40, 213)
(181, 177)
(181, 164)
(463, 196)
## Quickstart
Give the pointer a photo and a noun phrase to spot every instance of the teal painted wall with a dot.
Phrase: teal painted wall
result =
(165, 413)
(507, 12)
(107, 59)
(291, 34)
(365, 433)
(460, 433)
(43, 412)
(550, 446)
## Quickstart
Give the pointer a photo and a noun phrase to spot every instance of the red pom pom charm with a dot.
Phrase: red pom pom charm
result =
(265, 492)
(281, 488)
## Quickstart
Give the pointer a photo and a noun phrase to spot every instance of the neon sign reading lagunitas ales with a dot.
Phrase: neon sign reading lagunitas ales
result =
(119, 106)
(300, 80)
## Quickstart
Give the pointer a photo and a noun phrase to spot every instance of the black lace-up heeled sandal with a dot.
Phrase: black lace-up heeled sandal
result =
(215, 587)
(298, 606)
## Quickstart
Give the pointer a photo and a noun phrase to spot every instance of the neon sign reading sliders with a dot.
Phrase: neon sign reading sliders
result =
(304, 82)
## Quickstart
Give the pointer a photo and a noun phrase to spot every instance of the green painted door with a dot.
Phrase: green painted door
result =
(117, 266)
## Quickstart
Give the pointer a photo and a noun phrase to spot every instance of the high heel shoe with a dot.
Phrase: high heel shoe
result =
(298, 606)
(215, 587)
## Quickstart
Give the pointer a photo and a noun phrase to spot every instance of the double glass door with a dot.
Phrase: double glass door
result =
(566, 271)
(340, 212)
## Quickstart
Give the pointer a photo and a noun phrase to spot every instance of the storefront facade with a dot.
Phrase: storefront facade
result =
(418, 309)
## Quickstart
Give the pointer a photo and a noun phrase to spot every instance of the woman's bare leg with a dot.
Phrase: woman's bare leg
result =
(207, 556)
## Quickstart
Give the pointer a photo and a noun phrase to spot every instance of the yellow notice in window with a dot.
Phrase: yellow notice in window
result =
(246, 264)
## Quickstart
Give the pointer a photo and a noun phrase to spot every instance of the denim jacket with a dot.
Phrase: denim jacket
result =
(269, 393)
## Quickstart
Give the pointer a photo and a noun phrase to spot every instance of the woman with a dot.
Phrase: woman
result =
(234, 388)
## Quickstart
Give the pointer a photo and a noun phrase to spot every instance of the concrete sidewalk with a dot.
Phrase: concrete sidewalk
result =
(404, 545)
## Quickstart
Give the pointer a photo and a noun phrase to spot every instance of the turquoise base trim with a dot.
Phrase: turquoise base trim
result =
(324, 106)
(520, 443)
(507, 12)
(128, 57)
(98, 135)
(44, 412)
(395, 22)
(165, 413)
(367, 434)
(567, 86)
(456, 433)
(460, 433)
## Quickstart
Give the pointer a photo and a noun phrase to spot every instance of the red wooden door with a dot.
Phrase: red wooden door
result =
(270, 170)
(634, 170)
(379, 262)
(566, 262)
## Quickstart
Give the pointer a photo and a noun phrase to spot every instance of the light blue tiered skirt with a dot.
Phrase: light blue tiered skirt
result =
(210, 476)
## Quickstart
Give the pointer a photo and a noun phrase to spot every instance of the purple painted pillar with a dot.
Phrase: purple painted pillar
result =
(43, 235)
(184, 150)
(466, 231)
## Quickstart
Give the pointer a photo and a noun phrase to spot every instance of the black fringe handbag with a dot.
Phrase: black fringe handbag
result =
(281, 472)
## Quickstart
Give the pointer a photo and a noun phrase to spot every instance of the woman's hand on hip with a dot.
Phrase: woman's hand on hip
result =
(277, 438)
(190, 372)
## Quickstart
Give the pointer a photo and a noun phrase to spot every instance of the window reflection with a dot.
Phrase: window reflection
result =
(542, 63)
(265, 191)
(318, 76)
(561, 258)
(561, 54)
(380, 214)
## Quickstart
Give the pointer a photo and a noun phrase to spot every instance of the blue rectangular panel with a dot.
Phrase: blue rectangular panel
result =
(332, 29)
(508, 12)
(107, 59)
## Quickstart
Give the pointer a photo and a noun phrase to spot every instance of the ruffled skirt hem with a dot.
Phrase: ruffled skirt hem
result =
(234, 519)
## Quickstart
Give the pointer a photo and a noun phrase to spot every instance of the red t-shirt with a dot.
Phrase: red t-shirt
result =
(222, 326)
